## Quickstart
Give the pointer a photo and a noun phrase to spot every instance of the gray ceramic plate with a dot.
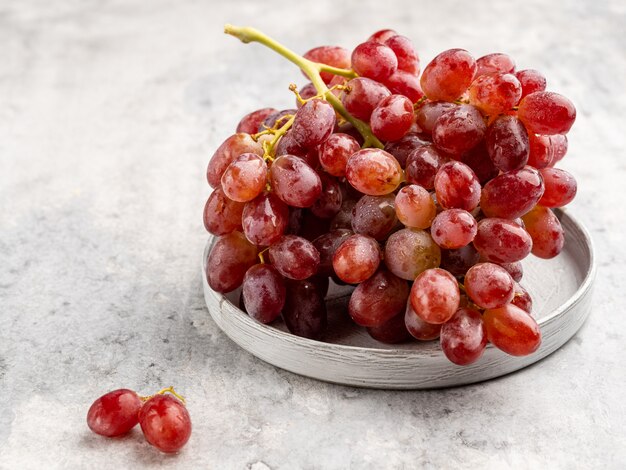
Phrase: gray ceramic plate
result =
(561, 289)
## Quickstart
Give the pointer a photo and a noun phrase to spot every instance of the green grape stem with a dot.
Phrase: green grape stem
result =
(312, 70)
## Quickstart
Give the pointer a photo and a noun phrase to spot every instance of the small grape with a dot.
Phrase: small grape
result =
(448, 75)
(546, 231)
(489, 285)
(329, 202)
(165, 423)
(435, 296)
(334, 153)
(409, 252)
(531, 81)
(522, 299)
(230, 149)
(265, 219)
(378, 299)
(221, 214)
(558, 142)
(512, 194)
(314, 122)
(392, 118)
(494, 63)
(507, 143)
(343, 219)
(374, 60)
(512, 330)
(457, 187)
(458, 261)
(373, 171)
(453, 229)
(422, 165)
(515, 269)
(495, 93)
(277, 119)
(114, 413)
(230, 257)
(306, 92)
(356, 259)
(541, 151)
(402, 148)
(245, 177)
(334, 56)
(405, 83)
(304, 312)
(294, 181)
(459, 129)
(408, 61)
(417, 327)
(545, 112)
(502, 241)
(362, 96)
(382, 36)
(560, 186)
(414, 207)
(374, 216)
(250, 123)
(263, 292)
(464, 337)
(294, 257)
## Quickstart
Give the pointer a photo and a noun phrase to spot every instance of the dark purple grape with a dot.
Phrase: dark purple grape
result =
(277, 117)
(304, 312)
(374, 216)
(263, 293)
(326, 245)
(422, 166)
(393, 331)
(329, 202)
(460, 260)
(402, 148)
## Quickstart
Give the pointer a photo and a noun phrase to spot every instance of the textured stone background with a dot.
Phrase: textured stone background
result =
(109, 111)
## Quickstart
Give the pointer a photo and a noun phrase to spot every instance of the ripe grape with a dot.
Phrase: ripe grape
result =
(114, 413)
(304, 312)
(245, 177)
(378, 299)
(457, 187)
(329, 202)
(382, 36)
(306, 92)
(507, 143)
(414, 207)
(334, 153)
(362, 96)
(263, 292)
(502, 241)
(417, 327)
(402, 148)
(405, 83)
(374, 216)
(288, 146)
(250, 123)
(230, 149)
(494, 63)
(314, 122)
(460, 260)
(343, 219)
(459, 129)
(545, 112)
(408, 61)
(392, 331)
(294, 181)
(489, 285)
(531, 80)
(558, 142)
(265, 219)
(326, 245)
(221, 214)
(560, 186)
(294, 257)
(422, 165)
(515, 269)
(165, 423)
(334, 56)
(373, 171)
(479, 161)
(448, 75)
(512, 194)
(427, 114)
(356, 259)
(435, 296)
(277, 119)
(230, 257)
(546, 232)
(522, 299)
(453, 229)
(392, 118)
(541, 151)
(512, 330)
(464, 337)
(374, 60)
(495, 93)
(409, 252)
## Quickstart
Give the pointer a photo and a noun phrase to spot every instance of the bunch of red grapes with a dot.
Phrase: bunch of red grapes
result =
(429, 222)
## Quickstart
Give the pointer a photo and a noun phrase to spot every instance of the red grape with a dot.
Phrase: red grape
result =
(362, 96)
(448, 75)
(417, 327)
(522, 299)
(545, 112)
(512, 194)
(494, 63)
(495, 93)
(265, 219)
(512, 330)
(558, 142)
(288, 146)
(245, 177)
(479, 161)
(356, 259)
(378, 299)
(546, 231)
(230, 257)
(263, 292)
(165, 423)
(277, 119)
(489, 285)
(250, 123)
(294, 257)
(464, 337)
(531, 80)
(230, 149)
(405, 83)
(460, 260)
(373, 171)
(541, 151)
(304, 312)
(402, 47)
(329, 202)
(382, 35)
(402, 148)
(409, 252)
(326, 245)
(515, 269)
(435, 296)
(294, 181)
(414, 207)
(392, 118)
(306, 92)
(457, 187)
(560, 186)
(343, 219)
(459, 129)
(374, 216)
(427, 114)
(502, 241)
(392, 331)
(334, 153)
(374, 60)
(314, 122)
(422, 165)
(221, 214)
(453, 229)
(114, 413)
(507, 143)
(334, 56)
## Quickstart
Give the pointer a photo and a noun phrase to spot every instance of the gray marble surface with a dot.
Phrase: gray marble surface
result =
(109, 111)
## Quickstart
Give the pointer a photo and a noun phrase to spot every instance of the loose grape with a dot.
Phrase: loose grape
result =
(263, 292)
(230, 149)
(512, 194)
(114, 413)
(460, 260)
(560, 186)
(165, 423)
(414, 207)
(356, 259)
(402, 47)
(502, 241)
(457, 187)
(245, 177)
(265, 219)
(378, 299)
(507, 143)
(494, 63)
(402, 148)
(392, 118)
(314, 122)
(373, 171)
(541, 151)
(374, 216)
(362, 96)
(495, 93)
(374, 60)
(435, 296)
(417, 327)
(512, 330)
(405, 83)
(294, 257)
(250, 123)
(294, 181)
(489, 285)
(221, 214)
(448, 75)
(329, 202)
(522, 299)
(326, 246)
(464, 337)
(453, 229)
(546, 232)
(459, 129)
(422, 165)
(427, 114)
(531, 80)
(334, 56)
(231, 256)
(545, 112)
(392, 331)
(304, 312)
(334, 153)
(409, 252)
